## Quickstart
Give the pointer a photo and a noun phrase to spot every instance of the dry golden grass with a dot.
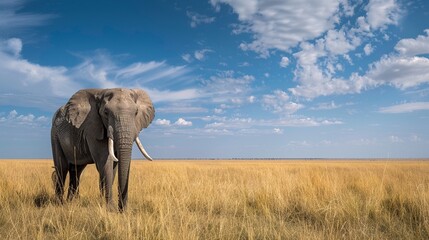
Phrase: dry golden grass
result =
(225, 200)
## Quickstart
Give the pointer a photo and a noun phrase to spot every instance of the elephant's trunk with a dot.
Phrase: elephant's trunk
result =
(123, 175)
(124, 139)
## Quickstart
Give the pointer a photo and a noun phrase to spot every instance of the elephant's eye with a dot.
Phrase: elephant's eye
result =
(137, 112)
(106, 112)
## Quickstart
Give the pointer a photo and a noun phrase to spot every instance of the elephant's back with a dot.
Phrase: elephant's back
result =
(58, 116)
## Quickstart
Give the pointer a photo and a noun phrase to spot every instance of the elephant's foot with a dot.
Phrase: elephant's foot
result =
(58, 200)
(111, 207)
(72, 195)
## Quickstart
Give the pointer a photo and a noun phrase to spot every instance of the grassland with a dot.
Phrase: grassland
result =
(225, 200)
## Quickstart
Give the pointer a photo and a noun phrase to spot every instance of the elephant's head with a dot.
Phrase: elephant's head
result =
(117, 115)
(124, 114)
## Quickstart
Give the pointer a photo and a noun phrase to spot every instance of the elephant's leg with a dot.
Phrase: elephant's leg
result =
(102, 181)
(61, 168)
(101, 185)
(115, 169)
(123, 179)
(106, 182)
(61, 174)
(75, 172)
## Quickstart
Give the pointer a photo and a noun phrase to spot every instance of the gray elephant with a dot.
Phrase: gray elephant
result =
(97, 126)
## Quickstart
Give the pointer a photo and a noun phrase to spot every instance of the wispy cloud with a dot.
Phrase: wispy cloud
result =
(13, 20)
(22, 79)
(26, 83)
(326, 106)
(201, 54)
(198, 19)
(227, 88)
(138, 68)
(181, 107)
(406, 107)
(173, 95)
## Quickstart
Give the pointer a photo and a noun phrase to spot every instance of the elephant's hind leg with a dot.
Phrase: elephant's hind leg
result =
(75, 172)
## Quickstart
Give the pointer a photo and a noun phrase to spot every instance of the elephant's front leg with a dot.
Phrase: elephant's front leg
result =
(106, 182)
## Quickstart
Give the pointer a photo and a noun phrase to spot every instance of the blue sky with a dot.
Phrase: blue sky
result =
(243, 78)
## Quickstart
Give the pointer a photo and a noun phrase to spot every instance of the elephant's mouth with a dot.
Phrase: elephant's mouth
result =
(139, 145)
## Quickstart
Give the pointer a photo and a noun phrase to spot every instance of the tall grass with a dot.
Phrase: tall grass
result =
(225, 200)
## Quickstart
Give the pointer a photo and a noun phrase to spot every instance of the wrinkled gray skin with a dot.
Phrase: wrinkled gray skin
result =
(80, 133)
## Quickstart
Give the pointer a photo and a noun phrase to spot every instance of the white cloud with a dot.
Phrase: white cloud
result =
(137, 68)
(223, 125)
(219, 111)
(279, 102)
(398, 70)
(326, 106)
(172, 96)
(406, 107)
(162, 122)
(282, 24)
(20, 76)
(284, 62)
(415, 138)
(278, 131)
(368, 49)
(412, 47)
(198, 19)
(100, 70)
(395, 139)
(305, 122)
(13, 19)
(180, 107)
(225, 122)
(251, 99)
(337, 43)
(183, 122)
(13, 118)
(227, 88)
(401, 72)
(12, 46)
(299, 143)
(381, 13)
(12, 114)
(30, 84)
(187, 57)
(201, 54)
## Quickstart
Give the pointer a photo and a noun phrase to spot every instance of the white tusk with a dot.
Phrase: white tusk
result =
(111, 152)
(139, 144)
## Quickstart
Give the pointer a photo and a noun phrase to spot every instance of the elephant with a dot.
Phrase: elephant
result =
(99, 126)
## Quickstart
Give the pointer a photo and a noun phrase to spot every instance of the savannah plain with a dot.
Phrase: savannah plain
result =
(323, 199)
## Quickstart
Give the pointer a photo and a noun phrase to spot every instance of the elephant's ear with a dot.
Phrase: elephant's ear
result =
(146, 111)
(81, 106)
